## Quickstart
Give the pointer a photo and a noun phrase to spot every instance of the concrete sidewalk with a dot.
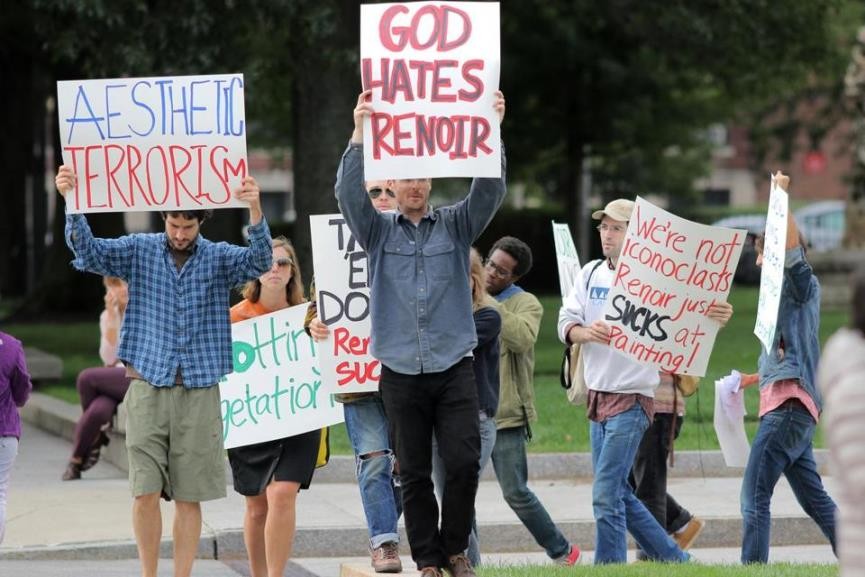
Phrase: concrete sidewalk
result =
(91, 518)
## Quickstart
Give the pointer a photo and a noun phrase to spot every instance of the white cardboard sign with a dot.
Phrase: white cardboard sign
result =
(669, 272)
(342, 293)
(566, 257)
(275, 390)
(772, 273)
(433, 68)
(163, 143)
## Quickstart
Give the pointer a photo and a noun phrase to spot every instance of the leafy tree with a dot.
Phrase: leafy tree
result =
(67, 39)
(611, 78)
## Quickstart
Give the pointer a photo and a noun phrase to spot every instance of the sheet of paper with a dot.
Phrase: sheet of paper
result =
(730, 424)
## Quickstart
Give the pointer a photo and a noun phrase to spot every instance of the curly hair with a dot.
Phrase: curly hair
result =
(518, 250)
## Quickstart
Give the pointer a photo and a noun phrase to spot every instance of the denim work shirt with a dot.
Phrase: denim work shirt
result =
(420, 301)
(798, 326)
(174, 319)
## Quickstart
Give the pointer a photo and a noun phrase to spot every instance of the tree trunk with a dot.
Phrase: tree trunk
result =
(326, 84)
(16, 70)
(60, 290)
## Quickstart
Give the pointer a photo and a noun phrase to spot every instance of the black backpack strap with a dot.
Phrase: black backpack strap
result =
(592, 272)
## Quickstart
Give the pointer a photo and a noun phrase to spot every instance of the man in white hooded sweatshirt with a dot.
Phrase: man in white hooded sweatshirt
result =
(620, 404)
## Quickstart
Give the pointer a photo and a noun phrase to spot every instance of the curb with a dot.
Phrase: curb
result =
(352, 542)
(59, 418)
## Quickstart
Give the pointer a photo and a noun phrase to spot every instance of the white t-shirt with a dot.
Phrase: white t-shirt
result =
(605, 368)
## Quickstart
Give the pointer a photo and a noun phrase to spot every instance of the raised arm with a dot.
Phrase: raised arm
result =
(108, 257)
(360, 216)
(486, 194)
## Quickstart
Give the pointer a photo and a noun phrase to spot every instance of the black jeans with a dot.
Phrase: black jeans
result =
(649, 474)
(444, 404)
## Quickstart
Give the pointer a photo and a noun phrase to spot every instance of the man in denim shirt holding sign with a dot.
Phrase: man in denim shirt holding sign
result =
(423, 334)
(790, 403)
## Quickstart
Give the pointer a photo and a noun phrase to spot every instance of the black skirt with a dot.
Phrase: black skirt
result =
(253, 467)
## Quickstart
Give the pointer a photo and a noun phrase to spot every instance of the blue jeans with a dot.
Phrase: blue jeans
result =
(509, 463)
(488, 440)
(367, 429)
(783, 444)
(617, 510)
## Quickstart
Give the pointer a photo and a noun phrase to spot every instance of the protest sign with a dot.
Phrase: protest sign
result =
(433, 68)
(139, 144)
(566, 258)
(772, 270)
(342, 292)
(275, 390)
(669, 272)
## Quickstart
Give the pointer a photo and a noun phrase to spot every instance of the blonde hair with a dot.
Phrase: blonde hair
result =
(293, 290)
(477, 274)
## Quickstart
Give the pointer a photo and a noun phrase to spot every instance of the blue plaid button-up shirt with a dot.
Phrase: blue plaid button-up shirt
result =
(175, 320)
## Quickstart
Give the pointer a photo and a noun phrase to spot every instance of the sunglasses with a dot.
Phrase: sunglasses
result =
(282, 262)
(375, 191)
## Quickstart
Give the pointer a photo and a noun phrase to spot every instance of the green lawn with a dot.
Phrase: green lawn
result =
(560, 427)
(667, 570)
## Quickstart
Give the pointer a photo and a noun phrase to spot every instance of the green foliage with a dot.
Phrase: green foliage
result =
(76, 343)
(633, 79)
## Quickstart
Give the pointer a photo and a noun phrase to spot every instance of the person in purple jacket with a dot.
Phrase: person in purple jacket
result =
(14, 391)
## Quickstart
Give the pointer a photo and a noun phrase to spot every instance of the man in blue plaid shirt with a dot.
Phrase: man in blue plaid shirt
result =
(176, 344)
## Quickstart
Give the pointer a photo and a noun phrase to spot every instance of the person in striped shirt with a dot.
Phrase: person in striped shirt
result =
(841, 375)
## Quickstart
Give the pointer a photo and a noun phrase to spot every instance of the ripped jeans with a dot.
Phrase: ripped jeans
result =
(367, 429)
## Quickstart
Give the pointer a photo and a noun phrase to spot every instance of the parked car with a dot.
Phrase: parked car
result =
(747, 271)
(821, 223)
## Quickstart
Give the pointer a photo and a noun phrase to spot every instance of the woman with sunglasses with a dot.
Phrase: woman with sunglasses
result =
(270, 474)
(383, 199)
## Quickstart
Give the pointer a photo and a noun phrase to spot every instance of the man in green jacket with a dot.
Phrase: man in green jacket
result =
(509, 260)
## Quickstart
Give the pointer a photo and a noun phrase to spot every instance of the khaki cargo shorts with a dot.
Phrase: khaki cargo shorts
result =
(174, 441)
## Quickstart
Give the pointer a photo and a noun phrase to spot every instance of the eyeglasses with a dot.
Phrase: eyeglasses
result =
(497, 269)
(376, 191)
(617, 228)
(283, 262)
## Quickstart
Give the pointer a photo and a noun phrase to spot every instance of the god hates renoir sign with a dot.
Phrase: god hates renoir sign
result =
(139, 144)
(275, 390)
(433, 68)
(669, 272)
(342, 293)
